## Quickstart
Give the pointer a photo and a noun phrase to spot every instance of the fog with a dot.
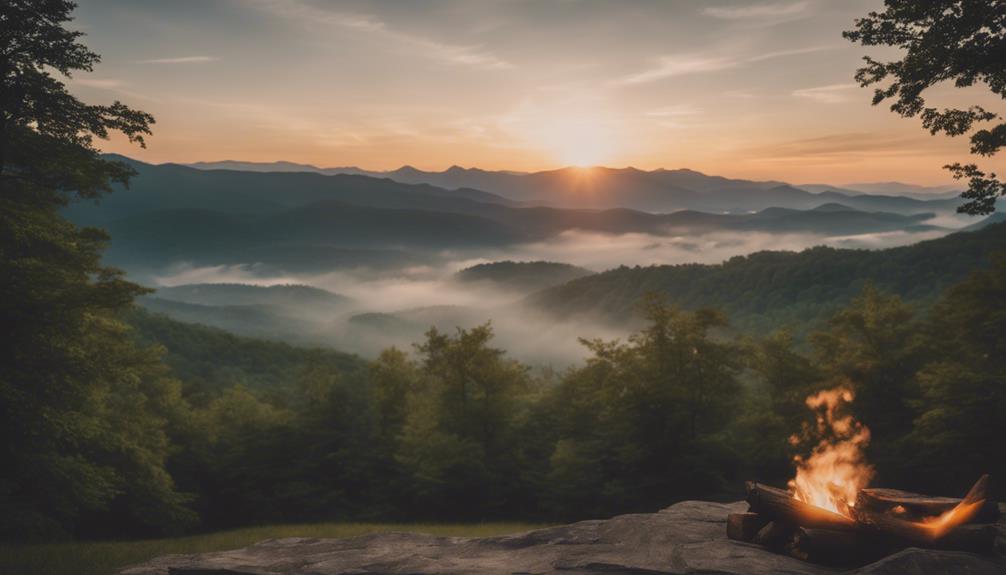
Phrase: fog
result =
(396, 307)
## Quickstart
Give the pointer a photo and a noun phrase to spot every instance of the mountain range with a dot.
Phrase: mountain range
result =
(653, 191)
(310, 221)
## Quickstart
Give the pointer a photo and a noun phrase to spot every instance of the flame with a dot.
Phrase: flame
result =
(962, 513)
(836, 469)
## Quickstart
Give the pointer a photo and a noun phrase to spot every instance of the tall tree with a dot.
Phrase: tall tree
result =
(83, 413)
(959, 41)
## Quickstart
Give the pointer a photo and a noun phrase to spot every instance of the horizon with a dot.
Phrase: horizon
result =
(930, 188)
(749, 90)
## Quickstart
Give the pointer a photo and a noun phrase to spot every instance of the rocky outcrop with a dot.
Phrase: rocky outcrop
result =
(688, 537)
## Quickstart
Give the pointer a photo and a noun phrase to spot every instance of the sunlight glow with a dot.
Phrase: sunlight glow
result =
(577, 141)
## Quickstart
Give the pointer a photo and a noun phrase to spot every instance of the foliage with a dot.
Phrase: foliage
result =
(86, 415)
(46, 134)
(643, 421)
(959, 41)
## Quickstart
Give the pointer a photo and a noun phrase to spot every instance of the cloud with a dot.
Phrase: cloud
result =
(830, 94)
(102, 83)
(838, 148)
(456, 54)
(180, 60)
(791, 52)
(775, 12)
(669, 66)
(675, 111)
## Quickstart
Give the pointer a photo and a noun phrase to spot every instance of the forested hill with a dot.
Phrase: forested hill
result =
(768, 290)
(209, 360)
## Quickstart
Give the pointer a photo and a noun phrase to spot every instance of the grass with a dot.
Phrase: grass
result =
(106, 558)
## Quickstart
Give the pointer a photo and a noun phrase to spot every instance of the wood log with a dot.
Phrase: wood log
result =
(926, 534)
(775, 535)
(916, 507)
(744, 526)
(779, 505)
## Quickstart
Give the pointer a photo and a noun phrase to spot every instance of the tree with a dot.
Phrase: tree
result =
(874, 347)
(84, 413)
(961, 415)
(963, 41)
(46, 134)
(648, 417)
(457, 441)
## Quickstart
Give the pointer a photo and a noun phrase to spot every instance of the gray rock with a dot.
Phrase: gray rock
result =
(689, 537)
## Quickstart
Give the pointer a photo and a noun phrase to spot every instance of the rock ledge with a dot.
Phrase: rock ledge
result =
(689, 537)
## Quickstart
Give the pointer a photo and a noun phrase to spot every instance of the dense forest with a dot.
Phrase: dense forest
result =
(226, 431)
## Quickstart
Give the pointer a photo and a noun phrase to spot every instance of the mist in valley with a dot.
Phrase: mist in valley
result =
(380, 307)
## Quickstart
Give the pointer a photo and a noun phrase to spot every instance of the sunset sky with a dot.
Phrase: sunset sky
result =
(735, 88)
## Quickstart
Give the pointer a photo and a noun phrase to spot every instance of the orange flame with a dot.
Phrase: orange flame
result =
(835, 471)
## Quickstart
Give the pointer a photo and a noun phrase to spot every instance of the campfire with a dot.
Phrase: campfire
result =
(829, 515)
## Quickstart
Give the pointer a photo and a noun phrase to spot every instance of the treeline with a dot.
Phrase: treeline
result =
(768, 289)
(456, 430)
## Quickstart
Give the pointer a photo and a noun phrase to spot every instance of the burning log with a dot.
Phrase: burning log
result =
(875, 526)
(916, 507)
(931, 529)
(777, 504)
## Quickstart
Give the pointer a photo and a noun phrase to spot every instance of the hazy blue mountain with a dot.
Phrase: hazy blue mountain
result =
(995, 218)
(280, 166)
(302, 221)
(657, 190)
(202, 237)
(172, 186)
(768, 289)
(209, 358)
(652, 191)
(245, 294)
(409, 325)
(521, 276)
(261, 321)
(887, 189)
(902, 189)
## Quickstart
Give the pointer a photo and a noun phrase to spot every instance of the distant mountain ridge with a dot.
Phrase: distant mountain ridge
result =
(521, 276)
(659, 190)
(312, 222)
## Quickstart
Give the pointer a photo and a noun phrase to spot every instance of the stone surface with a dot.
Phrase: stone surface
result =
(689, 537)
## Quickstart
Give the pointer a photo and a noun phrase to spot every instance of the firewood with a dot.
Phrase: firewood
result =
(839, 547)
(916, 507)
(775, 535)
(744, 526)
(917, 532)
(779, 505)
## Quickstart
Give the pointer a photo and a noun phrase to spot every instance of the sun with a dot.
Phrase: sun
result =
(581, 142)
(578, 132)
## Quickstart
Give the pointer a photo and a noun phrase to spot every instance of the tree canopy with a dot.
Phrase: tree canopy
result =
(959, 41)
(85, 414)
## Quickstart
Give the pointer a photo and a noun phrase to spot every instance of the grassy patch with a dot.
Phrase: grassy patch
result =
(105, 558)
